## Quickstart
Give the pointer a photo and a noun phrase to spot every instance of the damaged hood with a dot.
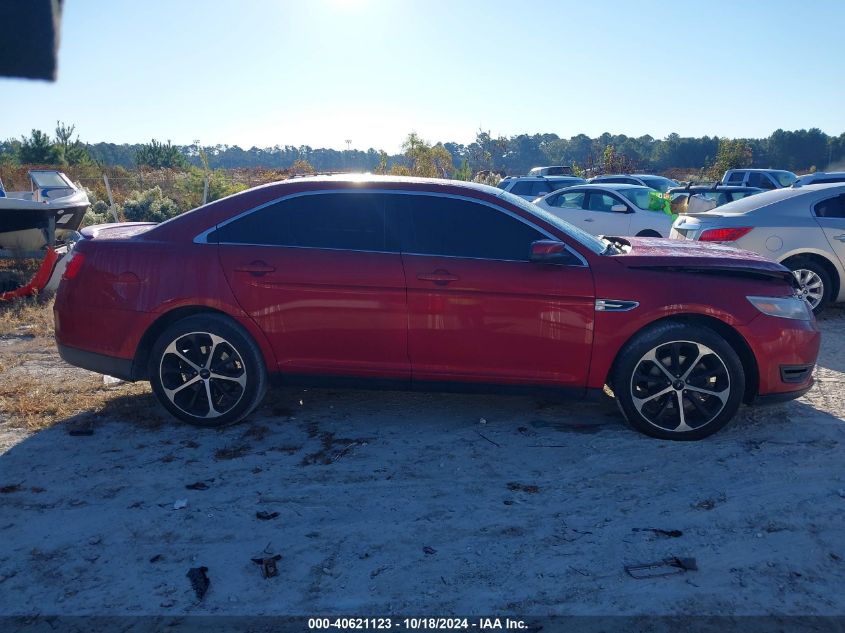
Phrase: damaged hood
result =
(694, 256)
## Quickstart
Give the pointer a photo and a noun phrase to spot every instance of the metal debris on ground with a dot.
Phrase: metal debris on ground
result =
(199, 580)
(659, 532)
(266, 516)
(180, 503)
(268, 565)
(429, 550)
(666, 567)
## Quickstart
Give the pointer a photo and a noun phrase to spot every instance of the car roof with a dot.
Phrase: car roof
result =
(613, 186)
(727, 188)
(768, 171)
(775, 196)
(631, 176)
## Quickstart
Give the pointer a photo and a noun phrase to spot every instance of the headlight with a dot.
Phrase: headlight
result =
(784, 307)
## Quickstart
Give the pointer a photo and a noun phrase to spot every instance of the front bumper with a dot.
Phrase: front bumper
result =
(779, 344)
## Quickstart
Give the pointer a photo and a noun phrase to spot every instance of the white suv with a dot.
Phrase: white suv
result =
(531, 187)
(760, 178)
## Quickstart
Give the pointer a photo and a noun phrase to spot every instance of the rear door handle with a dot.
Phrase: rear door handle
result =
(589, 220)
(256, 268)
(841, 238)
(440, 277)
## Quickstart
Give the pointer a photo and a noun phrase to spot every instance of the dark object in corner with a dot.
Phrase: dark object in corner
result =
(199, 580)
(30, 43)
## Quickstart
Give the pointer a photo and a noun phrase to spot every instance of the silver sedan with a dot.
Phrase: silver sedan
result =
(801, 227)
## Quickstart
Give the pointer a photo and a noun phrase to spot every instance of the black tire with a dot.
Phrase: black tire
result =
(711, 387)
(206, 370)
(648, 233)
(804, 268)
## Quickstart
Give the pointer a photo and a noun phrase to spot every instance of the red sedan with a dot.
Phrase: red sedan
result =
(415, 283)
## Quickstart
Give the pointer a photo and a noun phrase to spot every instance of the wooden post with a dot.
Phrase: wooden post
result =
(205, 190)
(111, 199)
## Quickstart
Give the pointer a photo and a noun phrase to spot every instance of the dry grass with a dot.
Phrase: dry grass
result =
(37, 389)
(29, 316)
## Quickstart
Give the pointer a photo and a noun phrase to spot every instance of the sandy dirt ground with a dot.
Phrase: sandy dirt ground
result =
(404, 503)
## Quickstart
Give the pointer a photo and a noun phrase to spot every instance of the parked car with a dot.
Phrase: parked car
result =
(760, 178)
(609, 209)
(699, 198)
(531, 187)
(820, 178)
(404, 282)
(658, 183)
(803, 228)
(551, 170)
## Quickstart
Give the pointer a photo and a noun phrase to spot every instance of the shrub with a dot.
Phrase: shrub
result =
(149, 206)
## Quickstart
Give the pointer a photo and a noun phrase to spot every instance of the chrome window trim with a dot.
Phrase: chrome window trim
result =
(202, 238)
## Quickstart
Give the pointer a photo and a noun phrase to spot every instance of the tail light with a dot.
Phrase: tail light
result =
(725, 235)
(74, 264)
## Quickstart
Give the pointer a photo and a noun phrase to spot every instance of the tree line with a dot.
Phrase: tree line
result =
(798, 150)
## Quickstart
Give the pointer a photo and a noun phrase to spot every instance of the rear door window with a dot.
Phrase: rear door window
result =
(601, 202)
(453, 227)
(735, 178)
(831, 208)
(759, 179)
(346, 221)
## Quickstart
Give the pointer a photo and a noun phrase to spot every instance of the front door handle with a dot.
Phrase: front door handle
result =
(841, 238)
(256, 268)
(589, 220)
(440, 277)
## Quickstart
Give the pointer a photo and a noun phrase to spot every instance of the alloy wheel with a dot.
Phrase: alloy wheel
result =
(812, 286)
(680, 386)
(202, 374)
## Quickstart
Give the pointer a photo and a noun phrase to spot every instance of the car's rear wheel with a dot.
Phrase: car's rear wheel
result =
(813, 281)
(678, 382)
(207, 371)
(648, 233)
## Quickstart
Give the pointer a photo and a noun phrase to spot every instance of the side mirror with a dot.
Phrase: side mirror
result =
(619, 208)
(550, 252)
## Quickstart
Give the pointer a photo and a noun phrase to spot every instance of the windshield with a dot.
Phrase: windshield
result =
(48, 179)
(582, 237)
(659, 183)
(639, 196)
(785, 178)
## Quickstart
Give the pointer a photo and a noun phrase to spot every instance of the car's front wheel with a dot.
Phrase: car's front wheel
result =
(206, 370)
(678, 382)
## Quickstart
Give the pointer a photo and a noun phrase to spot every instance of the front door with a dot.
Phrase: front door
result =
(478, 310)
(322, 277)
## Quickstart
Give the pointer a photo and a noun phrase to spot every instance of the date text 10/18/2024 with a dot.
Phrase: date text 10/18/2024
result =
(430, 624)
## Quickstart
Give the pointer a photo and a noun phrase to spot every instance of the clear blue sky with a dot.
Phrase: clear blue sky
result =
(318, 72)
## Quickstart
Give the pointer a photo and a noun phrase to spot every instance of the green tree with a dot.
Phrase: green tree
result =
(38, 149)
(732, 154)
(69, 152)
(160, 156)
(463, 172)
(426, 160)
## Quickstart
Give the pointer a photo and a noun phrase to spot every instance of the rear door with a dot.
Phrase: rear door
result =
(830, 214)
(322, 277)
(478, 310)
